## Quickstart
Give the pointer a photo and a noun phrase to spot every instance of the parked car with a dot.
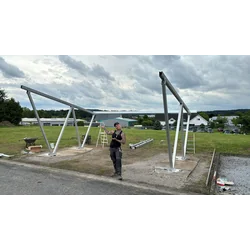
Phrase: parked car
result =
(220, 130)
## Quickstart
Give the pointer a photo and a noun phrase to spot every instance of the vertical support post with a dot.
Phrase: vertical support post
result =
(182, 135)
(177, 134)
(194, 142)
(38, 119)
(186, 137)
(76, 127)
(164, 94)
(87, 133)
(62, 130)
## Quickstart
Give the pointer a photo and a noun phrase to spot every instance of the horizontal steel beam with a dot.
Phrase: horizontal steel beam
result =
(123, 113)
(171, 88)
(54, 99)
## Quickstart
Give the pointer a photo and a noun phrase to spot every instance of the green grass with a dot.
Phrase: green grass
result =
(11, 139)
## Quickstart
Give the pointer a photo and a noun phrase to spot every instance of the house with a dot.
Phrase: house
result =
(48, 121)
(195, 119)
(125, 122)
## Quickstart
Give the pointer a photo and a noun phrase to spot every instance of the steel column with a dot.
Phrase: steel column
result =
(77, 132)
(87, 133)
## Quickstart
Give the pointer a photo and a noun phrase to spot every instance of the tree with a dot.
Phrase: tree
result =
(244, 120)
(13, 111)
(236, 121)
(204, 115)
(220, 121)
(139, 120)
(202, 126)
(212, 125)
(157, 125)
(10, 110)
(80, 123)
(146, 123)
(27, 113)
(2, 96)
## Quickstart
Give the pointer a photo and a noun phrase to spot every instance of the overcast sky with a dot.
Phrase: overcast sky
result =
(129, 82)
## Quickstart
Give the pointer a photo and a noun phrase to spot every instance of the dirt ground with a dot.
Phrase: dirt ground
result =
(143, 165)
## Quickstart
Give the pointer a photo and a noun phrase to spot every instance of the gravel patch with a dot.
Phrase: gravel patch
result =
(236, 169)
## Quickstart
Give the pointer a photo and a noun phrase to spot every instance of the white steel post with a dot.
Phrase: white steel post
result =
(186, 137)
(177, 134)
(87, 133)
(62, 130)
(77, 132)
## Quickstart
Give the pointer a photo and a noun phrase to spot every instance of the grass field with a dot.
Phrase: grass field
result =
(11, 139)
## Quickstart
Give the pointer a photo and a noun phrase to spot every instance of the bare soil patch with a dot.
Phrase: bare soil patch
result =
(139, 166)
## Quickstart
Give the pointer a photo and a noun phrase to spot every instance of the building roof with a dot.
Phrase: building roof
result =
(48, 119)
(161, 116)
(120, 119)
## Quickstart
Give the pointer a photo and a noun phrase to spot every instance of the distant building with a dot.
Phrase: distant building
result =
(101, 117)
(125, 122)
(195, 119)
(48, 121)
(229, 119)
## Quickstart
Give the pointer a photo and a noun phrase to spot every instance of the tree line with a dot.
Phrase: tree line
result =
(80, 114)
(11, 110)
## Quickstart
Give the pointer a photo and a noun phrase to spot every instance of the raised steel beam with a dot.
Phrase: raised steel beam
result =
(123, 113)
(54, 99)
(171, 88)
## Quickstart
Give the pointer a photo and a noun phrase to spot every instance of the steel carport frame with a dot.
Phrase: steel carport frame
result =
(172, 156)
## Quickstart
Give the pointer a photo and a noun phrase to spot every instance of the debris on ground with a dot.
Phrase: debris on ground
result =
(223, 182)
(224, 188)
(4, 155)
(35, 149)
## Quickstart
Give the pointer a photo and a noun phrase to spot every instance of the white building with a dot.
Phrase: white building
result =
(229, 119)
(48, 121)
(195, 120)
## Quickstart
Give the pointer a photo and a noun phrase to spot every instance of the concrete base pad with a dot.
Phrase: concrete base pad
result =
(67, 152)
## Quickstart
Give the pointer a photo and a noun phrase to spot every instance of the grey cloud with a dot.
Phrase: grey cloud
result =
(142, 90)
(162, 61)
(97, 70)
(184, 76)
(9, 70)
(146, 80)
(74, 64)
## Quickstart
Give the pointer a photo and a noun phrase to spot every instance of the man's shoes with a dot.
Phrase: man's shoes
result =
(119, 177)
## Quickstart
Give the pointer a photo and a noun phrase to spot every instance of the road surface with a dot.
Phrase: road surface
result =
(31, 180)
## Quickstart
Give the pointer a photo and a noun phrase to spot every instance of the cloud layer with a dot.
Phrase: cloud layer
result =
(130, 82)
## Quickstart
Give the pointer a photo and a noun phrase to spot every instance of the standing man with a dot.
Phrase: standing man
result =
(118, 138)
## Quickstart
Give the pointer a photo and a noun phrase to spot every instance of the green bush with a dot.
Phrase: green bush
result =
(80, 123)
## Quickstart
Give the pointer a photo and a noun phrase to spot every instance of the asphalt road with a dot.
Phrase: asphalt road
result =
(23, 180)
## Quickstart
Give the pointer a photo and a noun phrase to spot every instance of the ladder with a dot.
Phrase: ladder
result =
(191, 143)
(102, 137)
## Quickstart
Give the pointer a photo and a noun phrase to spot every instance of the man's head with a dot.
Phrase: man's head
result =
(117, 125)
